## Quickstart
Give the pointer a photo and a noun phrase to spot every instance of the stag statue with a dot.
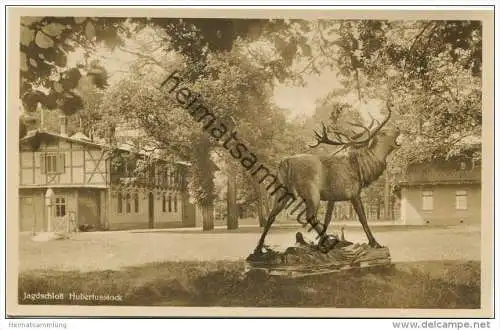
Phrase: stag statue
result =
(336, 177)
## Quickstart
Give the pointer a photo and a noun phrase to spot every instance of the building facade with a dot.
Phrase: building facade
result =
(442, 192)
(72, 181)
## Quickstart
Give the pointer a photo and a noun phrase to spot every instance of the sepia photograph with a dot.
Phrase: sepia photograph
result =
(333, 162)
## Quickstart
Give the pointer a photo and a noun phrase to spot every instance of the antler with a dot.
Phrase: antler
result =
(342, 139)
(323, 138)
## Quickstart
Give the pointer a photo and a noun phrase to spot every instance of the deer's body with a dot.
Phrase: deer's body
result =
(335, 177)
(323, 174)
(331, 175)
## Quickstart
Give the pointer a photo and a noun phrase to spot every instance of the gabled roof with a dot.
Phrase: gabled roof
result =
(80, 138)
(37, 134)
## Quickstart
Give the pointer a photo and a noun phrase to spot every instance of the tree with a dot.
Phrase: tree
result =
(429, 70)
(45, 45)
(214, 54)
(82, 120)
(46, 42)
(231, 83)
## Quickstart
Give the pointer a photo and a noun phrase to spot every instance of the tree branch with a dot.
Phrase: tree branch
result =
(142, 55)
(417, 37)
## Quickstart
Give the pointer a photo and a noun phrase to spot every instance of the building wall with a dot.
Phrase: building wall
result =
(444, 210)
(130, 218)
(82, 165)
(34, 212)
(89, 207)
(83, 178)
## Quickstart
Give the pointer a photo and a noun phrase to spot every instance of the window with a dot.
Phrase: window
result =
(52, 163)
(166, 177)
(136, 203)
(60, 206)
(461, 200)
(120, 203)
(164, 203)
(151, 173)
(172, 178)
(169, 203)
(175, 203)
(127, 201)
(427, 200)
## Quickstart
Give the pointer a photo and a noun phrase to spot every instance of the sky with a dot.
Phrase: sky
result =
(297, 99)
(300, 101)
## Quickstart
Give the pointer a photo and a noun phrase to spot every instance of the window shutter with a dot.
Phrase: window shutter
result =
(60, 163)
(42, 163)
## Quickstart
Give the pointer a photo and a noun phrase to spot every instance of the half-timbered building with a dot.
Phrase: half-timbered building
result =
(72, 181)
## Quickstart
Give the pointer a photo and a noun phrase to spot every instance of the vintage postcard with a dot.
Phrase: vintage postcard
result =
(240, 162)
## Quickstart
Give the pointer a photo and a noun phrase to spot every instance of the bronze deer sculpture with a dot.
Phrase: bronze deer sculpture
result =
(336, 177)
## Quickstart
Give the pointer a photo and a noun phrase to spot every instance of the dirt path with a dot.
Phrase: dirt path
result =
(114, 250)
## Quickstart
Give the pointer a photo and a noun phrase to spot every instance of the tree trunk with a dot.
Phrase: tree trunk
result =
(261, 205)
(386, 197)
(232, 207)
(204, 180)
(207, 213)
(392, 207)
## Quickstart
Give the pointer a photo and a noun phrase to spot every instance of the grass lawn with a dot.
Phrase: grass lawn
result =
(422, 284)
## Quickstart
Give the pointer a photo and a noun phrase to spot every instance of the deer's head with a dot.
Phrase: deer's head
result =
(380, 141)
(385, 141)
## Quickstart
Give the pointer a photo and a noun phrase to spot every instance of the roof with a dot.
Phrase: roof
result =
(40, 133)
(81, 138)
(442, 172)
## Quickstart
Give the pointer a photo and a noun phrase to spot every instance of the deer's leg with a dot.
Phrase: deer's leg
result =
(312, 205)
(358, 207)
(328, 215)
(277, 208)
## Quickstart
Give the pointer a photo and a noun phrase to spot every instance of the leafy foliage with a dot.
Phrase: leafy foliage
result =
(430, 71)
(45, 45)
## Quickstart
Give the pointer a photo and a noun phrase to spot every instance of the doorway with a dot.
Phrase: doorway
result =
(89, 208)
(151, 209)
(28, 215)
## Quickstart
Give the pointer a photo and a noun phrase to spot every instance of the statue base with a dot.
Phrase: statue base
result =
(306, 259)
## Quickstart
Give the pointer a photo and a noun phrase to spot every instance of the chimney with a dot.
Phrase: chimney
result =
(63, 125)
